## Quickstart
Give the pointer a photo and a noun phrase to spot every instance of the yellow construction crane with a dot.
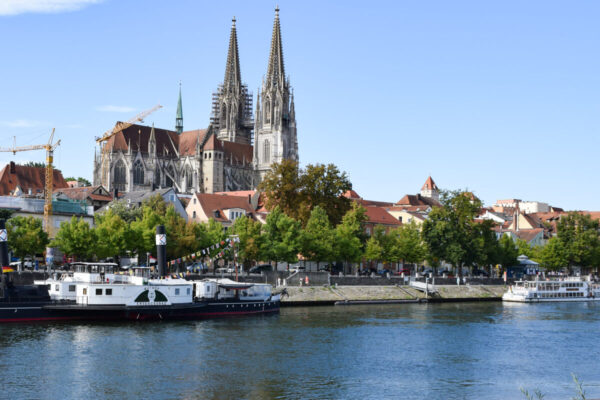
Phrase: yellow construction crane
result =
(120, 126)
(48, 189)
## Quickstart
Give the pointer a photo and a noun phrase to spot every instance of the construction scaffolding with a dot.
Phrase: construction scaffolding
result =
(247, 118)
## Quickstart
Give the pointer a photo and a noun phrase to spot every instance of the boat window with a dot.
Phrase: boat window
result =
(109, 292)
(84, 291)
(176, 291)
(188, 290)
(72, 288)
(207, 289)
(56, 287)
(98, 292)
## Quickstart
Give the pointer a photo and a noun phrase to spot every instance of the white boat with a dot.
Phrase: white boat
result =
(538, 291)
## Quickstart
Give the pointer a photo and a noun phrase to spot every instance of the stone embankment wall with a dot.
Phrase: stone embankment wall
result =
(327, 295)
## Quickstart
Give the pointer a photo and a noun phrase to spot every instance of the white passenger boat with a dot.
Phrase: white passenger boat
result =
(568, 289)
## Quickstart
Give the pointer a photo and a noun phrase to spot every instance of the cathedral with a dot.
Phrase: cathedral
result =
(233, 153)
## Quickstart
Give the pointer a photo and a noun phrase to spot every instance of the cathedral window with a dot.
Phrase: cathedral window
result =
(157, 177)
(189, 178)
(266, 152)
(223, 122)
(120, 175)
(268, 111)
(138, 173)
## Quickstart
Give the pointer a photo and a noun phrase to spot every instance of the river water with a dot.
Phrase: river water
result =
(403, 351)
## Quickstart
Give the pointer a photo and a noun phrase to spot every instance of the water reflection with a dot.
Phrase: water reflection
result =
(411, 351)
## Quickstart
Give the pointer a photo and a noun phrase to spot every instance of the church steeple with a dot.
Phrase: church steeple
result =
(232, 104)
(179, 116)
(233, 77)
(275, 70)
(275, 129)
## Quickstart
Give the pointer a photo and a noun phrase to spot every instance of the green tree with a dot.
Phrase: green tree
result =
(508, 251)
(282, 187)
(489, 250)
(297, 192)
(26, 237)
(127, 212)
(158, 204)
(379, 247)
(114, 236)
(75, 238)
(323, 186)
(250, 240)
(317, 238)
(553, 255)
(450, 232)
(349, 235)
(578, 234)
(82, 181)
(145, 231)
(407, 244)
(280, 237)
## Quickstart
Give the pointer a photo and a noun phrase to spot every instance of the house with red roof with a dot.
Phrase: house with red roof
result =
(17, 180)
(223, 208)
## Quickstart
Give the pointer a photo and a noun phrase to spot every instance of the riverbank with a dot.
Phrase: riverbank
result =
(329, 295)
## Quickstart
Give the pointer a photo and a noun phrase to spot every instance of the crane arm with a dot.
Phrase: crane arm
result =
(124, 125)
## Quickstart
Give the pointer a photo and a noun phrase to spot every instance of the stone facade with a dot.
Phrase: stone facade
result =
(221, 157)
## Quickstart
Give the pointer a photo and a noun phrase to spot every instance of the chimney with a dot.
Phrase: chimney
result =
(12, 167)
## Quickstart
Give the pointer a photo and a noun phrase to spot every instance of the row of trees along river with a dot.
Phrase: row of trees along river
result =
(310, 217)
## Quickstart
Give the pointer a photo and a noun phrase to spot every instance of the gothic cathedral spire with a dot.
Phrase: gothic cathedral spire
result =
(275, 124)
(232, 105)
(179, 116)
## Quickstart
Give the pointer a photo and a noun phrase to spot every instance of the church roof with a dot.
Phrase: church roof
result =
(26, 178)
(188, 140)
(213, 143)
(238, 153)
(429, 185)
(137, 136)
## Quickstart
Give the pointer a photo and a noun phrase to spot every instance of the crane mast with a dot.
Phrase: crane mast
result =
(48, 189)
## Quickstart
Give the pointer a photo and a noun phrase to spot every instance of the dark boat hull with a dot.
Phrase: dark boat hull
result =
(30, 312)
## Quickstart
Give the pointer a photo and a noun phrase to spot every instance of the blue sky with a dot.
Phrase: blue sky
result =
(502, 98)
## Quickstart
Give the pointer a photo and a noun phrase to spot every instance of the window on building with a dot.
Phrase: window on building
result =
(189, 177)
(267, 152)
(267, 111)
(157, 181)
(223, 120)
(194, 214)
(138, 173)
(120, 175)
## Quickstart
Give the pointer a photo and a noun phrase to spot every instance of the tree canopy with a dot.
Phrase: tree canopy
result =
(26, 237)
(298, 191)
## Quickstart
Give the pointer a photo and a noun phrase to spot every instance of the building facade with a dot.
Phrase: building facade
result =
(233, 153)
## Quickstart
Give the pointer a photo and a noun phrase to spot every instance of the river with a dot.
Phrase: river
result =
(404, 351)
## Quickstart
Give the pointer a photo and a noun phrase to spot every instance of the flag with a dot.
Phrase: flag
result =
(8, 269)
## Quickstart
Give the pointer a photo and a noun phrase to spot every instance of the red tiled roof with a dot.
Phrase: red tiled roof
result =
(213, 143)
(238, 153)
(528, 234)
(188, 141)
(429, 185)
(211, 202)
(377, 215)
(83, 192)
(417, 200)
(351, 194)
(239, 193)
(372, 203)
(138, 136)
(26, 178)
